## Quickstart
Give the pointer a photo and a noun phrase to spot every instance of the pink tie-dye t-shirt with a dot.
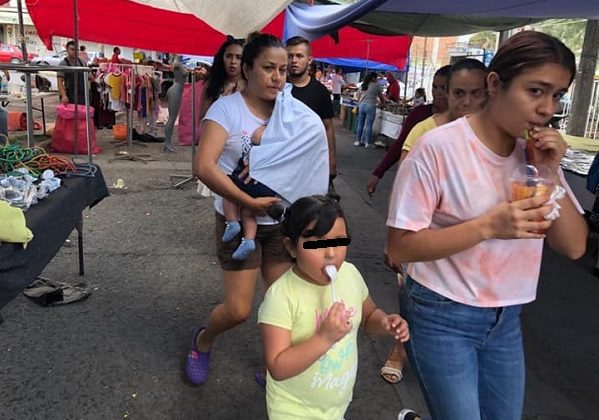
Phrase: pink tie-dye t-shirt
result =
(451, 177)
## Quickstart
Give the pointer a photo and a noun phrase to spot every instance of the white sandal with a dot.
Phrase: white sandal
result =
(388, 372)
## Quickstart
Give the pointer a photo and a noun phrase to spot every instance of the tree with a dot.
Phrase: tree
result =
(569, 31)
(486, 40)
(584, 80)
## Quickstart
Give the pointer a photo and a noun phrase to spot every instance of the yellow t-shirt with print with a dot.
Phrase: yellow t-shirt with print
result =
(418, 131)
(114, 83)
(324, 390)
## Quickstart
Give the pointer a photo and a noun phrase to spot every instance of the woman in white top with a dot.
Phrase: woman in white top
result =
(475, 255)
(227, 129)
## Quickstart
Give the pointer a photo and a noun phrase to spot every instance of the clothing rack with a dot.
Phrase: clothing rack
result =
(128, 155)
(140, 69)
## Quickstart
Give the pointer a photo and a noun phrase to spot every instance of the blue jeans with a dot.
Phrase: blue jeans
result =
(469, 360)
(366, 114)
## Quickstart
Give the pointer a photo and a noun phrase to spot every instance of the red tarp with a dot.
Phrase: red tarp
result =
(130, 24)
(126, 23)
(355, 44)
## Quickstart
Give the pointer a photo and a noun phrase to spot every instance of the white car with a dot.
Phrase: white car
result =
(56, 58)
(50, 59)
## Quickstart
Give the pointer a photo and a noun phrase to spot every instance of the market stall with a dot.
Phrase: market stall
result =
(51, 221)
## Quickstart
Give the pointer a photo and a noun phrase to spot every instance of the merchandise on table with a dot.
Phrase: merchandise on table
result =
(28, 175)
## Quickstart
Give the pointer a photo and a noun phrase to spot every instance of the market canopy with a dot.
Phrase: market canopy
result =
(233, 17)
(349, 65)
(138, 24)
(458, 17)
(352, 44)
(198, 26)
(429, 17)
(131, 23)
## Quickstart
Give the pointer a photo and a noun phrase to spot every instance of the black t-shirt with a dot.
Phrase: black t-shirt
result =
(69, 80)
(316, 96)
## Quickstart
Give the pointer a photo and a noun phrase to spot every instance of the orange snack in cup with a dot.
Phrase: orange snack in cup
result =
(531, 181)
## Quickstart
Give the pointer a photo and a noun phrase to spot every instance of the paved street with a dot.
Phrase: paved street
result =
(154, 277)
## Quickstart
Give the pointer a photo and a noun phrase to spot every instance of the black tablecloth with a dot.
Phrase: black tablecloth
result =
(51, 221)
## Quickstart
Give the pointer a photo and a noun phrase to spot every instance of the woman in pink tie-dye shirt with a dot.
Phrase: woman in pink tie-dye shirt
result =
(475, 256)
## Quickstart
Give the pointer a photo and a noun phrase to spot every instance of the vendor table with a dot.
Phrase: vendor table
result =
(391, 124)
(51, 221)
(6, 99)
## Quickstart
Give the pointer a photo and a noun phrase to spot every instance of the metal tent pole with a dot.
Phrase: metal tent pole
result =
(88, 127)
(76, 75)
(30, 137)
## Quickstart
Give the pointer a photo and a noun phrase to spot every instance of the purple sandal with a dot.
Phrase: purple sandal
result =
(198, 362)
(260, 379)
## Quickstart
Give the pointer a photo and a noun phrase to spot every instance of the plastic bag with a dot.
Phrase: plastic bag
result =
(63, 138)
(119, 131)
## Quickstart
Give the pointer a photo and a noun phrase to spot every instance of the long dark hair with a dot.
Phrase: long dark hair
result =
(528, 49)
(372, 77)
(256, 43)
(218, 73)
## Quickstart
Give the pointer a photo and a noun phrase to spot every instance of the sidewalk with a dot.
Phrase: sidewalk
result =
(150, 261)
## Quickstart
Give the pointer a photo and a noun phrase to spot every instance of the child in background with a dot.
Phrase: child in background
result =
(419, 97)
(310, 340)
(232, 212)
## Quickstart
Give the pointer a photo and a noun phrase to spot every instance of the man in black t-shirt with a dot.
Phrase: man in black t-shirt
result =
(311, 92)
(66, 80)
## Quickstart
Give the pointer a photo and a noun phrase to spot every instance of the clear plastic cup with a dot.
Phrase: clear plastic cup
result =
(531, 181)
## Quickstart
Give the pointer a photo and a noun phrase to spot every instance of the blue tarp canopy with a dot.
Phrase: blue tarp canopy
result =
(429, 17)
(355, 64)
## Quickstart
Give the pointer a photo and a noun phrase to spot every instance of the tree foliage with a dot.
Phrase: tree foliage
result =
(486, 40)
(569, 31)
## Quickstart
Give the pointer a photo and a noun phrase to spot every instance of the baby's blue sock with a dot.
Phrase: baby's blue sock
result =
(232, 229)
(244, 249)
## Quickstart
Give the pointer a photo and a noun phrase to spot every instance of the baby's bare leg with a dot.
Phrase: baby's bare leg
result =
(247, 245)
(250, 226)
(231, 210)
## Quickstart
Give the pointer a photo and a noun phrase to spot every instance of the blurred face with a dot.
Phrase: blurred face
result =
(440, 93)
(310, 263)
(71, 51)
(232, 60)
(299, 59)
(467, 92)
(268, 74)
(531, 98)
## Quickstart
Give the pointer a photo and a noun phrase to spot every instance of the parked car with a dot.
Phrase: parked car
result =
(55, 58)
(52, 59)
(12, 54)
